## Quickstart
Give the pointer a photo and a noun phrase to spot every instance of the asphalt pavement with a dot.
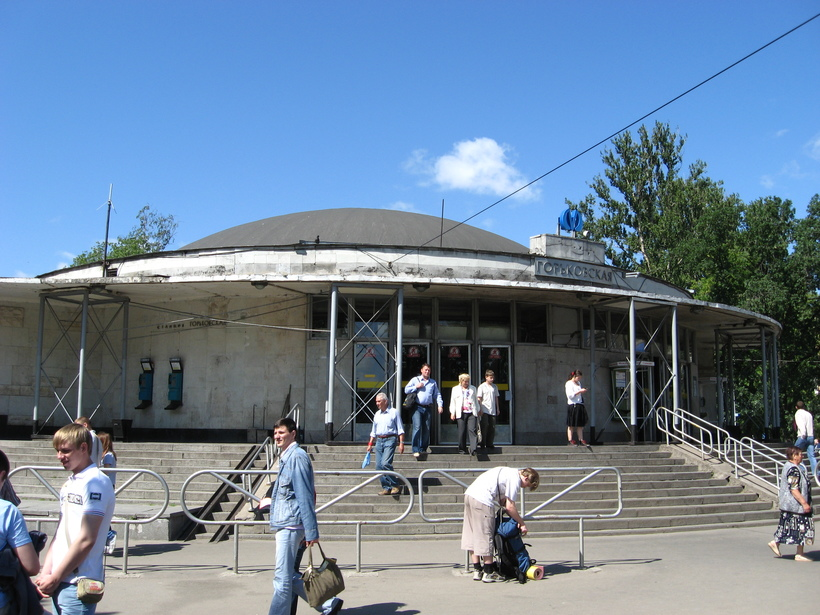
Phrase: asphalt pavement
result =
(716, 571)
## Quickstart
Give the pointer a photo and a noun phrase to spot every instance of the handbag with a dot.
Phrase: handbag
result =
(90, 591)
(409, 401)
(324, 582)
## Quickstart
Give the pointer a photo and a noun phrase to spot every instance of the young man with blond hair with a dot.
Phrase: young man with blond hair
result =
(86, 509)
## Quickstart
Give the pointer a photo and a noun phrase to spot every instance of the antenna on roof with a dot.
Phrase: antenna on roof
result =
(441, 234)
(107, 222)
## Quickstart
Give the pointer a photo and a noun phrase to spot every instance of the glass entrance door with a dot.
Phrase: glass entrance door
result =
(413, 356)
(454, 359)
(497, 358)
(370, 372)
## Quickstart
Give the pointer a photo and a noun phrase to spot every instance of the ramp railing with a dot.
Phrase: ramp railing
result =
(235, 480)
(589, 474)
(53, 515)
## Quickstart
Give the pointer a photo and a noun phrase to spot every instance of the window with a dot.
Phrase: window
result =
(565, 331)
(599, 330)
(319, 307)
(531, 323)
(371, 317)
(418, 319)
(455, 320)
(494, 321)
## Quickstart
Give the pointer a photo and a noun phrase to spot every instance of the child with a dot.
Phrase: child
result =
(109, 460)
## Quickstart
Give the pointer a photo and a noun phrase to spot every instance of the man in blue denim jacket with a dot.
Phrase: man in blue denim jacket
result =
(293, 518)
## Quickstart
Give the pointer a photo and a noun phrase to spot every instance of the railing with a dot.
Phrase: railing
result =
(137, 473)
(222, 475)
(592, 473)
(748, 458)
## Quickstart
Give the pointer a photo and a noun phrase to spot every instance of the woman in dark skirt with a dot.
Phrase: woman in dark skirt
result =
(796, 526)
(576, 411)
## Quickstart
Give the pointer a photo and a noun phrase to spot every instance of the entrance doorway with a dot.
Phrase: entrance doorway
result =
(497, 358)
(454, 359)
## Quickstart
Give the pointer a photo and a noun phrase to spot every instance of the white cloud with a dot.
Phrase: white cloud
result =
(402, 206)
(812, 148)
(22, 274)
(489, 223)
(480, 166)
(781, 133)
(767, 182)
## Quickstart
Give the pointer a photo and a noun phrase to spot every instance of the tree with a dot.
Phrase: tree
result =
(153, 234)
(655, 220)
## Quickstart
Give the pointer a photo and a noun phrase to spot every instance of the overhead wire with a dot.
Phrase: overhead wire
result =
(612, 136)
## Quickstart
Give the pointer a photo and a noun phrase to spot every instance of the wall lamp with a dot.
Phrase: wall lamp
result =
(421, 286)
(260, 284)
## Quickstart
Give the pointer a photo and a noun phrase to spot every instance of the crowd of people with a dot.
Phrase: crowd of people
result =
(74, 560)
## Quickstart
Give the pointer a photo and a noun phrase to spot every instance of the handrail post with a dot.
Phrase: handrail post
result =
(236, 549)
(581, 542)
(125, 549)
(358, 547)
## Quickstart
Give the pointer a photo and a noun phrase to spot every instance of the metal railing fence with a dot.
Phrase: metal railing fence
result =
(222, 475)
(37, 472)
(747, 457)
(591, 472)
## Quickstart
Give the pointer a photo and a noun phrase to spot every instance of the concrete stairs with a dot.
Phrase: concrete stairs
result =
(662, 490)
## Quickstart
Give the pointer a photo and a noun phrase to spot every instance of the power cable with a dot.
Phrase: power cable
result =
(613, 135)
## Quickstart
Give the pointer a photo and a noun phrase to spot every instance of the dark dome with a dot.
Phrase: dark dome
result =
(383, 227)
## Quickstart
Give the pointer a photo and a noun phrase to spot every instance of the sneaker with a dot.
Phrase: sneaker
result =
(584, 443)
(416, 455)
(491, 577)
(384, 492)
(477, 574)
(572, 443)
(110, 542)
(395, 491)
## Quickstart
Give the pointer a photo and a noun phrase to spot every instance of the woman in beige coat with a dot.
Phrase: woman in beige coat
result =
(464, 409)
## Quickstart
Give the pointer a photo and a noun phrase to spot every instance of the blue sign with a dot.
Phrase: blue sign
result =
(571, 220)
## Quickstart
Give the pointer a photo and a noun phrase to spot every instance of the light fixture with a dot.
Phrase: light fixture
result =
(260, 284)
(632, 274)
(421, 286)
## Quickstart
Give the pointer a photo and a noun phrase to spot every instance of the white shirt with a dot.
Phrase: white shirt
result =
(88, 492)
(489, 486)
(805, 423)
(488, 397)
(573, 390)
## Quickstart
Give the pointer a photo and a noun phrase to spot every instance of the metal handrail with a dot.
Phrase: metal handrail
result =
(137, 473)
(221, 475)
(592, 473)
(746, 456)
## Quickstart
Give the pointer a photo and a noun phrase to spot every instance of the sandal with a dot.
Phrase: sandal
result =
(775, 547)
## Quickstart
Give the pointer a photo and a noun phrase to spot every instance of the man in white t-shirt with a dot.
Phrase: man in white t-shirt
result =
(86, 509)
(491, 491)
(804, 422)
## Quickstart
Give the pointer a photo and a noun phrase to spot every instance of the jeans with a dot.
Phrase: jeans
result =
(807, 444)
(385, 450)
(421, 429)
(65, 602)
(286, 580)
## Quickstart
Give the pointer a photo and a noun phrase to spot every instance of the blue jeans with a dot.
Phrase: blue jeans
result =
(421, 429)
(65, 602)
(808, 443)
(286, 580)
(385, 450)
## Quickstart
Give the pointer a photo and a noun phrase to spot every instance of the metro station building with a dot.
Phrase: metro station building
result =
(314, 313)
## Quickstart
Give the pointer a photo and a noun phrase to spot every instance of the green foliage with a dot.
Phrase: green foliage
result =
(684, 229)
(153, 234)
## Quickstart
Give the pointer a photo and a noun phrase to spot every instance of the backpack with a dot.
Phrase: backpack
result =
(512, 557)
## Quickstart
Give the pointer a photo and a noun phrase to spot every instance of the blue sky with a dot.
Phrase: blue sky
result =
(221, 113)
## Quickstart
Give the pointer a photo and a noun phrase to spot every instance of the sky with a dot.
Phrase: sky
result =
(222, 113)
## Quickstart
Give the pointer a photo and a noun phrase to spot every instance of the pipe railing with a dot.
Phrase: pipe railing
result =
(747, 457)
(592, 472)
(137, 473)
(222, 475)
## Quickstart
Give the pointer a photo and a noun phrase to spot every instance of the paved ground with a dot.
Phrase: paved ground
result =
(716, 571)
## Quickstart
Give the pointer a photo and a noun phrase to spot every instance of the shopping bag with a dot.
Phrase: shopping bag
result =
(323, 582)
(366, 460)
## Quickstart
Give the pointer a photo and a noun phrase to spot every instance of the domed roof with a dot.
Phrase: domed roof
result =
(383, 227)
